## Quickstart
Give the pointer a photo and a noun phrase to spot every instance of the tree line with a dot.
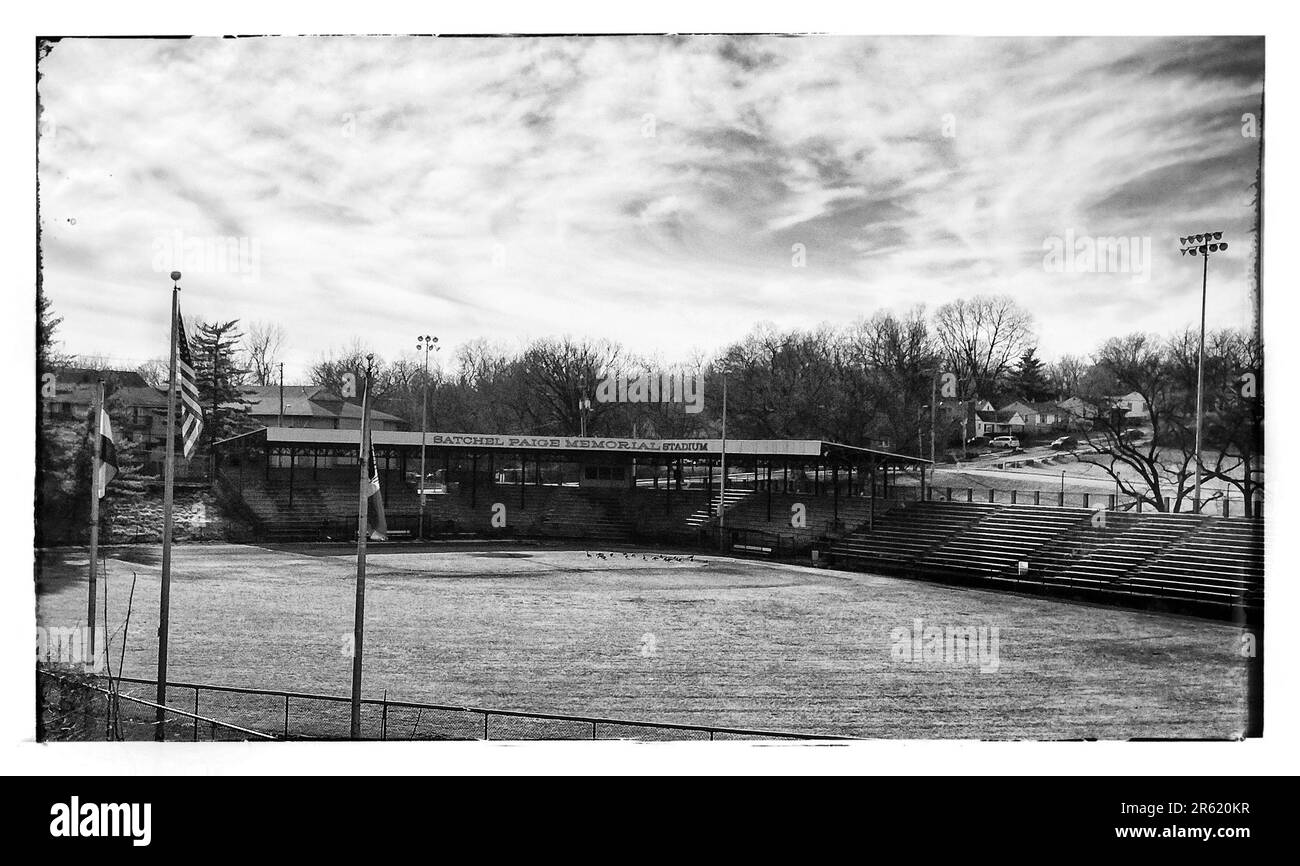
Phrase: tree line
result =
(868, 383)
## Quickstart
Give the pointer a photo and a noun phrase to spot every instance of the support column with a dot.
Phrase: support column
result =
(668, 484)
(292, 460)
(769, 490)
(871, 501)
(835, 482)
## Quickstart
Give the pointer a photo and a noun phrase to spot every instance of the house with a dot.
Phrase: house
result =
(1040, 418)
(998, 423)
(1077, 413)
(312, 406)
(1134, 404)
(138, 410)
(956, 419)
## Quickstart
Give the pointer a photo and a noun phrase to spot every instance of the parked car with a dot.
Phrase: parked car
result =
(431, 486)
(1065, 443)
(1004, 442)
(977, 442)
(1134, 433)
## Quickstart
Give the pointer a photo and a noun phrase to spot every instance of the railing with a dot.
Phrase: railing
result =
(142, 724)
(1224, 507)
(287, 715)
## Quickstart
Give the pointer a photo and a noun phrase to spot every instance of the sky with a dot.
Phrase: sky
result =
(668, 193)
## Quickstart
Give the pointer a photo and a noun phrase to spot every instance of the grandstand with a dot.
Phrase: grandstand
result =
(782, 498)
(1199, 564)
(302, 484)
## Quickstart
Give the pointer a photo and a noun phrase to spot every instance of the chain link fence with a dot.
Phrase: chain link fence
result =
(93, 708)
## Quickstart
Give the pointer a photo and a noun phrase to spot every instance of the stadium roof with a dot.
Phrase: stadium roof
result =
(305, 437)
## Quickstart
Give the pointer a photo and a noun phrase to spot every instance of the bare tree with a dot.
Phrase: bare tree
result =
(982, 338)
(263, 344)
(1160, 470)
(558, 374)
(330, 371)
(1065, 373)
(890, 362)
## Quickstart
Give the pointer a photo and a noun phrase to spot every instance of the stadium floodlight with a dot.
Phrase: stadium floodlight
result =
(1203, 249)
(424, 343)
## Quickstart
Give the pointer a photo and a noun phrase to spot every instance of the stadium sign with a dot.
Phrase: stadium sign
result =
(570, 443)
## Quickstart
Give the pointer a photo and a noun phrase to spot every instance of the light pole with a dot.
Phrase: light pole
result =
(1202, 245)
(722, 489)
(424, 343)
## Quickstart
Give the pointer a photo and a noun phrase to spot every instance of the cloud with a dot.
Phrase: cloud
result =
(647, 189)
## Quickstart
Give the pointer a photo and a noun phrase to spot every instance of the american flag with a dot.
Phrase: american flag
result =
(191, 414)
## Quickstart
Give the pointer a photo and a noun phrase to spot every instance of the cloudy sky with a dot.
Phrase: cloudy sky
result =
(668, 193)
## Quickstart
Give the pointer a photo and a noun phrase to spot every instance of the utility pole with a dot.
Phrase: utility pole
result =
(169, 480)
(934, 409)
(280, 422)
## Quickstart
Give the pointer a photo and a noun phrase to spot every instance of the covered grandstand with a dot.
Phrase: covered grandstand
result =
(782, 497)
(300, 482)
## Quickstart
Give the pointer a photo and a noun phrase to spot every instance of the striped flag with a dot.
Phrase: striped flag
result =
(374, 474)
(191, 413)
(379, 525)
(107, 467)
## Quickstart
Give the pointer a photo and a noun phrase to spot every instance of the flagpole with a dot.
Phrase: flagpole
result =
(97, 406)
(169, 479)
(359, 612)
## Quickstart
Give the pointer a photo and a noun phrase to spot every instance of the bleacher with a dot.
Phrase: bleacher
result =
(577, 513)
(1180, 561)
(1221, 561)
(906, 532)
(1002, 538)
(324, 507)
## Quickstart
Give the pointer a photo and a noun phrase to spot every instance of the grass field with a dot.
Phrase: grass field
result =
(711, 641)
